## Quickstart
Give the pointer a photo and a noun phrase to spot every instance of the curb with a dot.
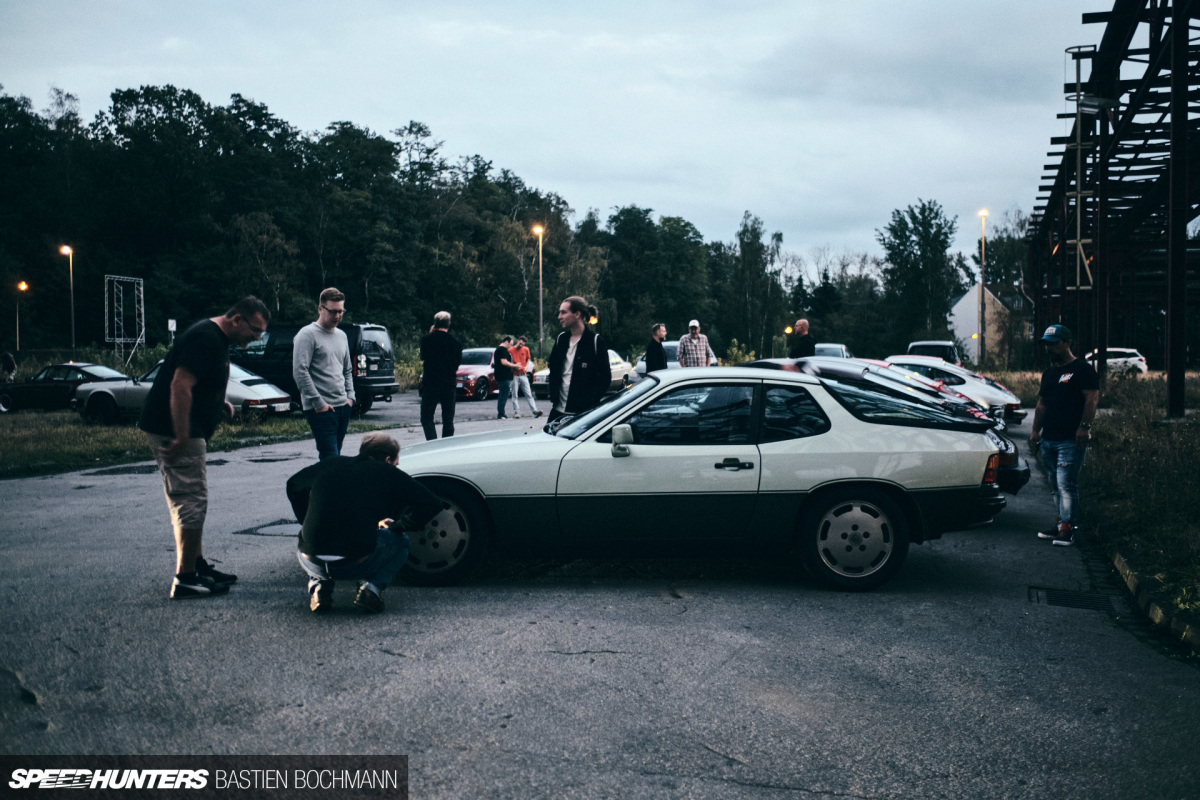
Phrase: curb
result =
(1150, 598)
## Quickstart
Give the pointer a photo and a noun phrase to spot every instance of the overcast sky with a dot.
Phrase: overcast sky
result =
(819, 116)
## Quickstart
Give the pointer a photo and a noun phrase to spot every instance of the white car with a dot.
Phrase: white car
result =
(724, 461)
(110, 401)
(1120, 359)
(982, 390)
(833, 350)
(622, 376)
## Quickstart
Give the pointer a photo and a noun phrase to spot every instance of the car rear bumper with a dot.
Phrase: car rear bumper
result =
(378, 387)
(945, 510)
(1014, 476)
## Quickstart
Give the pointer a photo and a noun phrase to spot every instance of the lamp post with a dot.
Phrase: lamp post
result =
(70, 254)
(538, 230)
(22, 287)
(982, 273)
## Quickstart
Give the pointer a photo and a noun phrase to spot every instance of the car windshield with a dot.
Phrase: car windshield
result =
(610, 405)
(375, 341)
(477, 357)
(871, 406)
(239, 374)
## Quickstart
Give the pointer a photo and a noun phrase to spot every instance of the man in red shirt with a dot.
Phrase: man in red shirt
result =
(521, 356)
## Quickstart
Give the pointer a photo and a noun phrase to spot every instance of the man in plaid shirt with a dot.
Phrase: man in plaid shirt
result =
(693, 348)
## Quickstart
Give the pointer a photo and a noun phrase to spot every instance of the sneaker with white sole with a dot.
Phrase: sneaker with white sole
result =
(368, 600)
(1050, 532)
(195, 585)
(1065, 536)
(205, 568)
(320, 596)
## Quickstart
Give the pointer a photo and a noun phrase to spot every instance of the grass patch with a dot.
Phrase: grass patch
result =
(48, 442)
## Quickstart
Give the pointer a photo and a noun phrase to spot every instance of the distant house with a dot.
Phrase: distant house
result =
(1009, 320)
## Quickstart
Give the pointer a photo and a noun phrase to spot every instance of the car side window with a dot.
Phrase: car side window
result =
(57, 373)
(710, 414)
(790, 412)
(75, 375)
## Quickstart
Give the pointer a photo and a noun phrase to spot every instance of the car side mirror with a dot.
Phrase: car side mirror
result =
(622, 437)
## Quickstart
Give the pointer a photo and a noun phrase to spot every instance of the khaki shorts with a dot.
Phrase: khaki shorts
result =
(185, 482)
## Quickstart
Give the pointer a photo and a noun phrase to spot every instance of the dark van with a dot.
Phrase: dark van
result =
(370, 350)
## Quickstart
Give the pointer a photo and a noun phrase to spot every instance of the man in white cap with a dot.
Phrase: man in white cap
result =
(693, 348)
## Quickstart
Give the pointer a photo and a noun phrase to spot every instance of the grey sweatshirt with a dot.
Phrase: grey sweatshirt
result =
(322, 368)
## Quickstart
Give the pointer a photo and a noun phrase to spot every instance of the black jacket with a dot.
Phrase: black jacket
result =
(339, 502)
(656, 356)
(591, 374)
(803, 346)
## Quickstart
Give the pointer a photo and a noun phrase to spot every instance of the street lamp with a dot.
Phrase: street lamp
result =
(70, 254)
(22, 287)
(982, 273)
(538, 230)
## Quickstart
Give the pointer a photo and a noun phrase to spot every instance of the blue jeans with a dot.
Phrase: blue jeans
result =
(329, 430)
(502, 398)
(520, 386)
(1063, 461)
(391, 551)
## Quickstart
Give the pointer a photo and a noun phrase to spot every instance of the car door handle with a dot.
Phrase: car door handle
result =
(734, 465)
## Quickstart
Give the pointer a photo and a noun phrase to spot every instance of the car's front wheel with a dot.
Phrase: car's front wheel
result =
(454, 542)
(854, 538)
(482, 389)
(102, 408)
(6, 403)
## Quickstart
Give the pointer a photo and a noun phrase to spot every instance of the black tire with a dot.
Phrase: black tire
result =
(853, 538)
(102, 408)
(482, 389)
(363, 404)
(453, 544)
(7, 406)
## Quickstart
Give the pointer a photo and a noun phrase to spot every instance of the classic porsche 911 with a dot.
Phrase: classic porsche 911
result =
(726, 460)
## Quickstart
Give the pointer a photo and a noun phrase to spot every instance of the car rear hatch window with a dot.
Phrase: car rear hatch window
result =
(375, 342)
(881, 409)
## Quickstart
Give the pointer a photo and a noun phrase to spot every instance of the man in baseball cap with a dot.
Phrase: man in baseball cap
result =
(1062, 427)
(694, 350)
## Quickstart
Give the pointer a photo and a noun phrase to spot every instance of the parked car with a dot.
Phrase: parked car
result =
(769, 462)
(476, 378)
(893, 380)
(111, 401)
(622, 375)
(943, 349)
(370, 351)
(1120, 360)
(672, 351)
(53, 387)
(831, 350)
(980, 389)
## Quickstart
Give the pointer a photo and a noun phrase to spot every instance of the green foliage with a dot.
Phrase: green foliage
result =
(736, 355)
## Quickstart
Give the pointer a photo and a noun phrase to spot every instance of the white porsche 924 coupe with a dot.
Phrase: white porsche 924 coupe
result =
(723, 460)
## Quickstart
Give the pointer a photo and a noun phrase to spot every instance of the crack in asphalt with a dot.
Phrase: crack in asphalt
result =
(588, 652)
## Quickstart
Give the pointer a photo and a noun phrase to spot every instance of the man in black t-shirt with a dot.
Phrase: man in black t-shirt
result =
(804, 344)
(353, 513)
(502, 367)
(441, 355)
(1062, 424)
(656, 356)
(180, 415)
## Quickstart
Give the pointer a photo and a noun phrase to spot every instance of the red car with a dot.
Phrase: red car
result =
(475, 378)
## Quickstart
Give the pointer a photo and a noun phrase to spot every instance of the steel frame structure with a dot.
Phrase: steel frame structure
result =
(1108, 238)
(114, 314)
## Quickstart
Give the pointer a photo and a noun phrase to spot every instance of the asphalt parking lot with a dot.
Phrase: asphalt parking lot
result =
(992, 666)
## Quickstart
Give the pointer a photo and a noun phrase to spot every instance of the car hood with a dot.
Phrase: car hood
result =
(473, 370)
(513, 462)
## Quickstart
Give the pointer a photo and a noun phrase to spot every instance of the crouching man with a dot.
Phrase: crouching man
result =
(353, 513)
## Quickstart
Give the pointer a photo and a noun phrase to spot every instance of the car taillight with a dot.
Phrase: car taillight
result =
(1013, 407)
(991, 474)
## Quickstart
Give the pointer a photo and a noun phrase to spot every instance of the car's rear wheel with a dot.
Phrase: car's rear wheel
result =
(454, 542)
(363, 404)
(854, 538)
(482, 390)
(6, 403)
(102, 408)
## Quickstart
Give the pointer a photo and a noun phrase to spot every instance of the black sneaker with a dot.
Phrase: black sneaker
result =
(1065, 537)
(205, 568)
(368, 601)
(196, 585)
(320, 596)
(537, 413)
(1049, 533)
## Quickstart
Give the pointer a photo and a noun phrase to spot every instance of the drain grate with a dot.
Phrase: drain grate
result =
(1094, 601)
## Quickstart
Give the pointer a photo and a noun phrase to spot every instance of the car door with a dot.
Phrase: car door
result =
(50, 388)
(691, 473)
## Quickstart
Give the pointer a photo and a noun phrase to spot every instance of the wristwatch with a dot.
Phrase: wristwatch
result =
(1087, 426)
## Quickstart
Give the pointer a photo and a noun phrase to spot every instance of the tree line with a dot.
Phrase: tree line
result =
(207, 203)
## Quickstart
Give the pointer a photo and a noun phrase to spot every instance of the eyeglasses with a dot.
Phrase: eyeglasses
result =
(335, 312)
(255, 328)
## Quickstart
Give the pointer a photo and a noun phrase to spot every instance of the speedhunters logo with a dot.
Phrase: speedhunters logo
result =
(108, 779)
(203, 777)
